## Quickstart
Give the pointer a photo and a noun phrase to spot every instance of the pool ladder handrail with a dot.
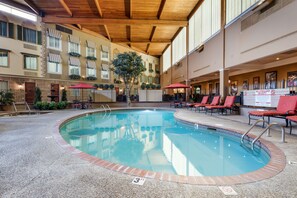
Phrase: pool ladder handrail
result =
(262, 132)
(106, 108)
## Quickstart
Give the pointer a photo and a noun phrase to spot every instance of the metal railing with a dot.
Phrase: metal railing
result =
(262, 132)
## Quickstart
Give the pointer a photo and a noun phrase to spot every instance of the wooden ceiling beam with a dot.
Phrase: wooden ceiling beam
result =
(153, 33)
(195, 9)
(65, 6)
(141, 42)
(147, 48)
(105, 21)
(128, 32)
(107, 32)
(161, 8)
(98, 8)
(131, 15)
(33, 6)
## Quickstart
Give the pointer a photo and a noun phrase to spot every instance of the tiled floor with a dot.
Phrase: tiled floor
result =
(32, 164)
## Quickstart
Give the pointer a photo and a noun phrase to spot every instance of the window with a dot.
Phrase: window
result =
(105, 72)
(74, 70)
(91, 72)
(104, 53)
(4, 58)
(167, 59)
(30, 62)
(54, 43)
(204, 23)
(75, 92)
(29, 35)
(91, 68)
(91, 52)
(54, 63)
(74, 47)
(3, 86)
(74, 44)
(3, 28)
(104, 56)
(235, 8)
(179, 46)
(74, 66)
(53, 67)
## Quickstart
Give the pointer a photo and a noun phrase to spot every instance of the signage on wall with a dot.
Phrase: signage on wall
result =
(263, 97)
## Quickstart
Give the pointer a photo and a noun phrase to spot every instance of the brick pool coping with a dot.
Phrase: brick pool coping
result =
(276, 164)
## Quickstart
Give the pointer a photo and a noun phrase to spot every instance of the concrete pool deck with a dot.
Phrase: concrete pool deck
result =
(32, 164)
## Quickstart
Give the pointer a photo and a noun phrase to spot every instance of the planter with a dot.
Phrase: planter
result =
(74, 77)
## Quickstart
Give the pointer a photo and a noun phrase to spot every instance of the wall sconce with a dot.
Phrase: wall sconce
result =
(229, 81)
(62, 87)
(21, 87)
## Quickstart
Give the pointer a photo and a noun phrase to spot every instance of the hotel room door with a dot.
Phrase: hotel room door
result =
(29, 92)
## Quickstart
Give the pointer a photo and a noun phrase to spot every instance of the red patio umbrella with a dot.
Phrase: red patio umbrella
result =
(82, 86)
(176, 86)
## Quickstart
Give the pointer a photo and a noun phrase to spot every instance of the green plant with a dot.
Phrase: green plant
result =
(153, 86)
(106, 86)
(74, 54)
(91, 58)
(52, 105)
(128, 66)
(151, 70)
(157, 72)
(158, 86)
(38, 105)
(6, 97)
(91, 78)
(100, 86)
(45, 106)
(111, 86)
(64, 95)
(95, 85)
(143, 85)
(74, 76)
(37, 95)
(148, 86)
(62, 105)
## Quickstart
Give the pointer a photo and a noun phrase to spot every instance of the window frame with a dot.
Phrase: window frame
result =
(104, 59)
(31, 56)
(79, 69)
(59, 65)
(87, 52)
(69, 47)
(5, 51)
(5, 24)
(51, 47)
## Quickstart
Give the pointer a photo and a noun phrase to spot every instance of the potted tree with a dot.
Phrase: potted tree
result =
(128, 66)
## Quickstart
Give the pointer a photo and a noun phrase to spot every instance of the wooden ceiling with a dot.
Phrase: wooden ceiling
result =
(145, 25)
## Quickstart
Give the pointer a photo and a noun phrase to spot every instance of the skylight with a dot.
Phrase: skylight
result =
(17, 12)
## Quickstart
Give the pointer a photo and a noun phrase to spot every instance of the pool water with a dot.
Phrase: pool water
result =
(153, 140)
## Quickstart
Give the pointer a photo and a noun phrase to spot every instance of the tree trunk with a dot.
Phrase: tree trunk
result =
(128, 95)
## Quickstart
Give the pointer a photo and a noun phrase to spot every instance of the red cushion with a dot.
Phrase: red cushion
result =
(287, 103)
(292, 118)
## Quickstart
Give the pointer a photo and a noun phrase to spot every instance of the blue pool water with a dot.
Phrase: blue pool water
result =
(154, 140)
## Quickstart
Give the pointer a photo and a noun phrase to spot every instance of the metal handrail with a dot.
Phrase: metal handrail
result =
(107, 106)
(242, 137)
(102, 106)
(268, 133)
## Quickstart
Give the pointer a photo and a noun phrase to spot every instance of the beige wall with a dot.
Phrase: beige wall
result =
(273, 34)
(16, 47)
(209, 60)
(83, 37)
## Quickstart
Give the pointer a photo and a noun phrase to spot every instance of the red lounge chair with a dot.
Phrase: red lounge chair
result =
(203, 102)
(228, 104)
(287, 105)
(291, 119)
(215, 101)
